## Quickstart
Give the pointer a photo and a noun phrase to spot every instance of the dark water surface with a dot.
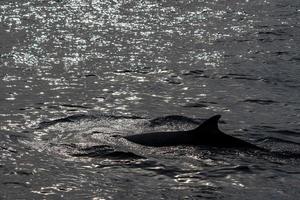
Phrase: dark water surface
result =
(76, 75)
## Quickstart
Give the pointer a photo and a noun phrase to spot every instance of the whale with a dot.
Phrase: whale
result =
(206, 134)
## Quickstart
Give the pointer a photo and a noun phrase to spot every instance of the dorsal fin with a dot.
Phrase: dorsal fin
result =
(210, 124)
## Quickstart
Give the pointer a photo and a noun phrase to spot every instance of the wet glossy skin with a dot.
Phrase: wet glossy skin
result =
(207, 134)
(151, 59)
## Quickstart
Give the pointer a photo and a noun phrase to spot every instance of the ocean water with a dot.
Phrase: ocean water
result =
(77, 75)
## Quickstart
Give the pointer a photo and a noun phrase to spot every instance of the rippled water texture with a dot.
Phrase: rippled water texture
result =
(77, 75)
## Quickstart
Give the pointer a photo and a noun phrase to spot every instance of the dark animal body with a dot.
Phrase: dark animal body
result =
(207, 134)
